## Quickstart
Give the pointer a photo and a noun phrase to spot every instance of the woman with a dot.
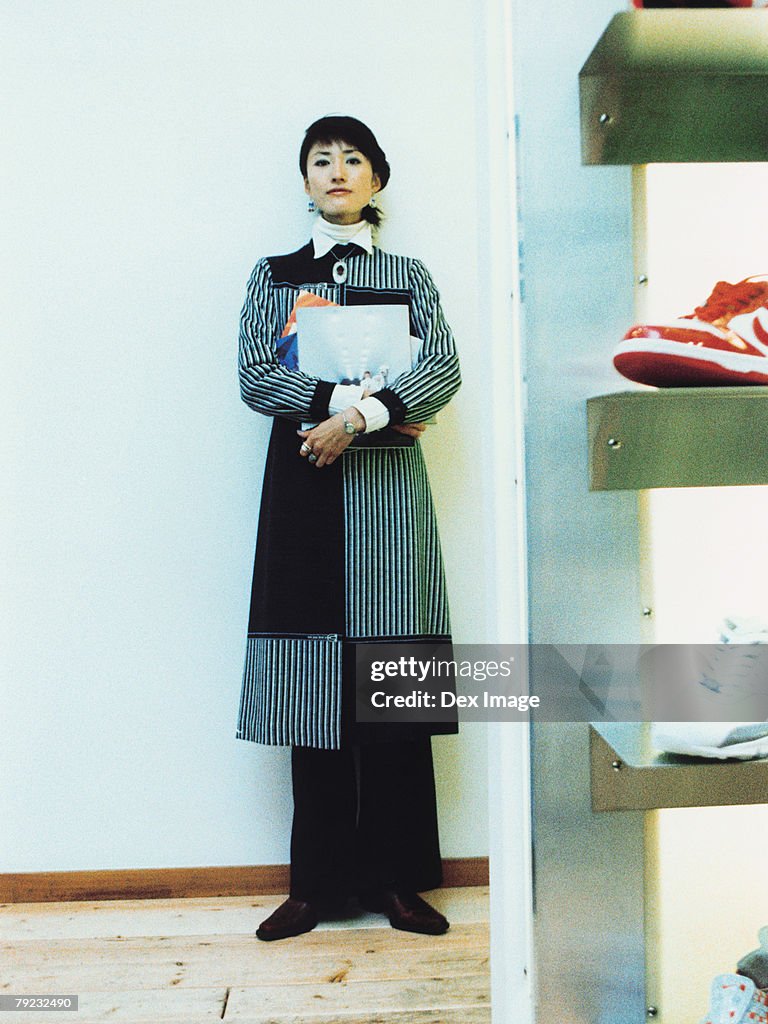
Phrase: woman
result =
(365, 820)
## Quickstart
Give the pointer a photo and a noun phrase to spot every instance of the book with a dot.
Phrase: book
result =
(369, 345)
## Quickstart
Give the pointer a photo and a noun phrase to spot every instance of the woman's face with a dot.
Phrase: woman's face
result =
(340, 180)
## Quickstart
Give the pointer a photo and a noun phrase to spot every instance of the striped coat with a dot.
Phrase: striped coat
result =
(349, 553)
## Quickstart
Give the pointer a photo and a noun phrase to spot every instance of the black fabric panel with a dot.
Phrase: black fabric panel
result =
(364, 733)
(384, 438)
(356, 296)
(301, 267)
(396, 408)
(321, 400)
(298, 576)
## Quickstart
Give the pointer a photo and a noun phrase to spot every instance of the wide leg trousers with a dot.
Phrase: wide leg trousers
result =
(365, 819)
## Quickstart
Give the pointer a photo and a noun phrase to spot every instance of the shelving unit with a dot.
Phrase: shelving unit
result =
(677, 86)
(659, 86)
(627, 774)
(678, 437)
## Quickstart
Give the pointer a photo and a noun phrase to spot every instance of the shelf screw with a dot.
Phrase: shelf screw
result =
(605, 119)
(647, 612)
(642, 279)
(617, 765)
(614, 443)
(652, 1011)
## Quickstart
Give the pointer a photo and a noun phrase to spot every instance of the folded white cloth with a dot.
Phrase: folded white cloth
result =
(721, 740)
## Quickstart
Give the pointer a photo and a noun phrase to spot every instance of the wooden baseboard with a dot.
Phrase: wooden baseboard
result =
(176, 883)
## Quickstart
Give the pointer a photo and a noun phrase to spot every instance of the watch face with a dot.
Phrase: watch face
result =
(350, 427)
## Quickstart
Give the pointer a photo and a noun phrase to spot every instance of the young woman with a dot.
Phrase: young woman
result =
(347, 552)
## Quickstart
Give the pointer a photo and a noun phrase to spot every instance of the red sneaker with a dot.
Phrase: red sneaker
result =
(724, 342)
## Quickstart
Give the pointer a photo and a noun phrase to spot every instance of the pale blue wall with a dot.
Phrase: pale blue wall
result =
(582, 548)
(577, 304)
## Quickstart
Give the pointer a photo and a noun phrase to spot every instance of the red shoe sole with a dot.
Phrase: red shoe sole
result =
(666, 371)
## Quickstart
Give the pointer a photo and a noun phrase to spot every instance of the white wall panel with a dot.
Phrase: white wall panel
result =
(151, 157)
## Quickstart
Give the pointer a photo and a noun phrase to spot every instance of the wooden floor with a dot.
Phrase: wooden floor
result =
(195, 960)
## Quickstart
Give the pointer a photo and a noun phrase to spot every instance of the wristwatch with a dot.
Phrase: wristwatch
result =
(349, 426)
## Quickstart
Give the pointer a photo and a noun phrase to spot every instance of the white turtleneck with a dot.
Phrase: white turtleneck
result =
(324, 236)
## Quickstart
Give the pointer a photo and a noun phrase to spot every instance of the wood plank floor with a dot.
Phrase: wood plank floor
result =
(197, 960)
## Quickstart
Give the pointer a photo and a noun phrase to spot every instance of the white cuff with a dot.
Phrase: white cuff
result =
(344, 395)
(374, 412)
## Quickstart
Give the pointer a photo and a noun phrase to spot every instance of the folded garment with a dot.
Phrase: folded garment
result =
(720, 740)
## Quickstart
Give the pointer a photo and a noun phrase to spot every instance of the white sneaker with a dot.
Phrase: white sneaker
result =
(736, 1000)
(735, 671)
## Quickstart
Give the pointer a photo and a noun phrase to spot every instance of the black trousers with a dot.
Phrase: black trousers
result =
(365, 819)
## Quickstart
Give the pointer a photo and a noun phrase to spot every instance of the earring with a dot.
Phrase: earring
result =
(311, 206)
(373, 202)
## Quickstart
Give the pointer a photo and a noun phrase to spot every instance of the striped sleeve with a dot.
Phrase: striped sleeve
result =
(436, 377)
(266, 385)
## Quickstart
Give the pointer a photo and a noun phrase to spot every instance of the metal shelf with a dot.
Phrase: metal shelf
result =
(678, 437)
(677, 86)
(627, 774)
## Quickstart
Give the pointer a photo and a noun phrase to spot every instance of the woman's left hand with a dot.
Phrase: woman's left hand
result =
(329, 439)
(410, 429)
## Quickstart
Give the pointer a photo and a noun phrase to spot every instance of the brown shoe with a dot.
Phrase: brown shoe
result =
(408, 912)
(293, 917)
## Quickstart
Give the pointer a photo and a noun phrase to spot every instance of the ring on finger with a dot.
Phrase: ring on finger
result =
(312, 457)
(306, 447)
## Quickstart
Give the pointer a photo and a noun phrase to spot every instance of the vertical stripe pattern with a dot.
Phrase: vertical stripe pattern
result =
(434, 380)
(291, 692)
(265, 385)
(394, 569)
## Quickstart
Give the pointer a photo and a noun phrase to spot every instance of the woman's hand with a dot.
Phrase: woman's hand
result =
(329, 439)
(411, 429)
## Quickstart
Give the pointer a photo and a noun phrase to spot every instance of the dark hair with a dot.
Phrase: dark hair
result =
(348, 129)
